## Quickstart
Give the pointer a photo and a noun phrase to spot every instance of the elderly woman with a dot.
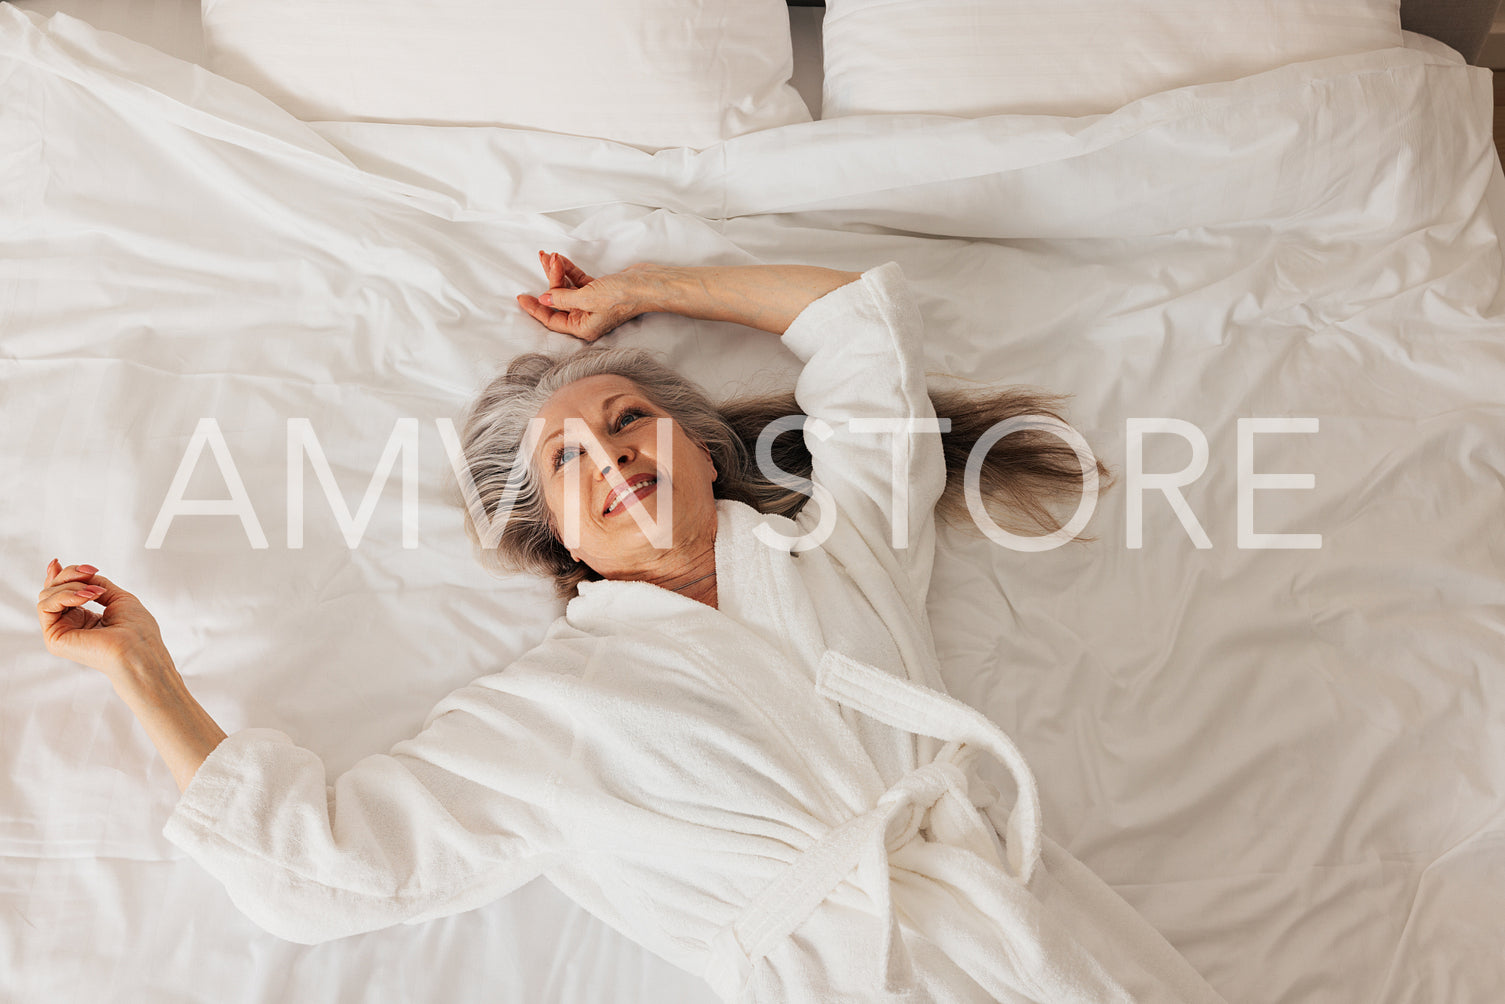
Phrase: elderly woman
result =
(734, 746)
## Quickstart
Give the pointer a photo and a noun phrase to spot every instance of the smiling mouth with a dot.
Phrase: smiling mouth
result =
(641, 490)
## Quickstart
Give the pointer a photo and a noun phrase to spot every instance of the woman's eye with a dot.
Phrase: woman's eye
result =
(560, 454)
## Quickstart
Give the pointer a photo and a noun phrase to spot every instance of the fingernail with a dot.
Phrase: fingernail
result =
(547, 300)
(91, 591)
(88, 568)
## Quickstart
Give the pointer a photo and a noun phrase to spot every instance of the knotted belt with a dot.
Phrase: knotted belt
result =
(935, 792)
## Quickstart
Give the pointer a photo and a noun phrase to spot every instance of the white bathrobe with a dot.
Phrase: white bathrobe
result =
(776, 794)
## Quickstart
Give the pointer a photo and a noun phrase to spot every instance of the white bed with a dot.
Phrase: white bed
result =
(1290, 760)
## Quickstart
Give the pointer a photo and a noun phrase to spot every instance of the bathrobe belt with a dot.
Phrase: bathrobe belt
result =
(933, 793)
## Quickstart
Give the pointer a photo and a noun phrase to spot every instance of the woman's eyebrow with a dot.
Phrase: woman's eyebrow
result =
(604, 403)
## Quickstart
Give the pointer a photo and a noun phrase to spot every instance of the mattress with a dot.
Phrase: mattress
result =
(1289, 759)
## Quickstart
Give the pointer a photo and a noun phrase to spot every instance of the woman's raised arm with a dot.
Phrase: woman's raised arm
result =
(766, 297)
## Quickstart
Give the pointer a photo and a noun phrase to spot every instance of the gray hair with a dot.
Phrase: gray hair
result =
(1020, 475)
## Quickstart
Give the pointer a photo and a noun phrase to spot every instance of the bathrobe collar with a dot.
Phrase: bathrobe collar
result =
(757, 582)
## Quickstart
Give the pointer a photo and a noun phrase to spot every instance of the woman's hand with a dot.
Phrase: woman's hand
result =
(122, 637)
(587, 308)
(125, 644)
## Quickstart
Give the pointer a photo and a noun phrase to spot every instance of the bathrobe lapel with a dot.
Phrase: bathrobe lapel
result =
(801, 606)
(765, 615)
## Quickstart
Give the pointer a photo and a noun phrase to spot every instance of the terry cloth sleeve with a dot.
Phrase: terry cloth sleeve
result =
(446, 822)
(864, 360)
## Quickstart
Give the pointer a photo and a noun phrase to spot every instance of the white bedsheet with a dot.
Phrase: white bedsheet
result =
(1291, 761)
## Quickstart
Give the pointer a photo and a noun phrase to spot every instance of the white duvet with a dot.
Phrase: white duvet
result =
(1290, 760)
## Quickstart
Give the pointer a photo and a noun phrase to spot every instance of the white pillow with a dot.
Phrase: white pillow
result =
(648, 73)
(972, 58)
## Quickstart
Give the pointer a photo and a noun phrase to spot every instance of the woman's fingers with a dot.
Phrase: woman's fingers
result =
(574, 273)
(67, 587)
(57, 572)
(108, 591)
(552, 271)
(56, 599)
(563, 273)
(549, 317)
(554, 320)
(532, 307)
(70, 587)
(61, 610)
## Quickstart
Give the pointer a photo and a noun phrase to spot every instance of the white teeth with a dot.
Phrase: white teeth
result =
(618, 503)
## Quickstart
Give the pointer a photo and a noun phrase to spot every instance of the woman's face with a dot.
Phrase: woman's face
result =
(623, 423)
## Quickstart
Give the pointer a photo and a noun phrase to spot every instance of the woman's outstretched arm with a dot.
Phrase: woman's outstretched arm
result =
(447, 821)
(766, 297)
